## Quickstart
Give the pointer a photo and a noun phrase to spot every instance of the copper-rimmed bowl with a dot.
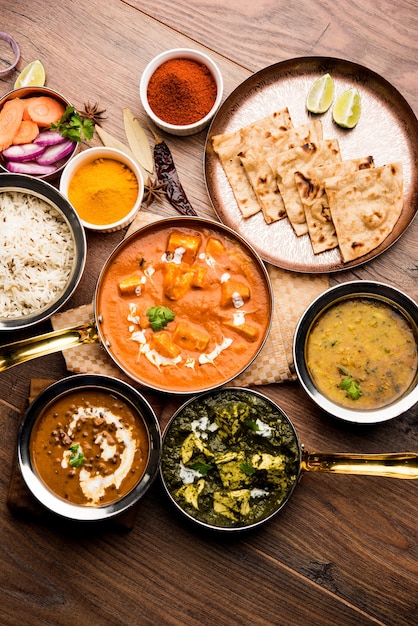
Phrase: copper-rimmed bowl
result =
(402, 305)
(118, 391)
(29, 92)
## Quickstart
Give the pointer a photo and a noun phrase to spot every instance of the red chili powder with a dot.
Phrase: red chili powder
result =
(181, 91)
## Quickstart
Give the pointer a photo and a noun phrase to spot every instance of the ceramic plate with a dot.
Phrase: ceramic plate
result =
(387, 130)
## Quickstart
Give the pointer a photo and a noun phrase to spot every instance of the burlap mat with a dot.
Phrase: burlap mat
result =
(293, 292)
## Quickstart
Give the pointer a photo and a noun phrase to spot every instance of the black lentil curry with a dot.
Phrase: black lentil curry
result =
(230, 458)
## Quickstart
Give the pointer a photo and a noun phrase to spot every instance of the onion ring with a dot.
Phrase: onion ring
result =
(15, 48)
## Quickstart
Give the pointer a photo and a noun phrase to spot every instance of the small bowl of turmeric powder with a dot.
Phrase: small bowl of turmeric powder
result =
(181, 90)
(105, 187)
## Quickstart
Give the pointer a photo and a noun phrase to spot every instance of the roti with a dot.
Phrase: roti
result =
(254, 157)
(285, 164)
(365, 207)
(228, 145)
(311, 188)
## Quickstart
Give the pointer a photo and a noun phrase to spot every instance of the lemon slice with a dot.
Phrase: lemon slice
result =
(33, 75)
(347, 108)
(320, 95)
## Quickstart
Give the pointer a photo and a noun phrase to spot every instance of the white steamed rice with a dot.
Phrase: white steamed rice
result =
(36, 254)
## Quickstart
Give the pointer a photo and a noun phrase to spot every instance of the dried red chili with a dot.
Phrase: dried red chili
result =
(168, 177)
(181, 91)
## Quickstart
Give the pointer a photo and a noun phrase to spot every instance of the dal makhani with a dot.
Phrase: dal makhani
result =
(90, 447)
(362, 353)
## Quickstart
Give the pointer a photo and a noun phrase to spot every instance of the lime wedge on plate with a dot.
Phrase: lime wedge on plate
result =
(320, 95)
(33, 75)
(347, 108)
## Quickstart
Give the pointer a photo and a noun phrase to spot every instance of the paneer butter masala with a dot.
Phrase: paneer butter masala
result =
(183, 309)
(90, 447)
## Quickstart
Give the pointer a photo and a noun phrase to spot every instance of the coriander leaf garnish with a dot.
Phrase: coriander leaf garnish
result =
(202, 468)
(247, 469)
(352, 388)
(77, 458)
(72, 126)
(159, 316)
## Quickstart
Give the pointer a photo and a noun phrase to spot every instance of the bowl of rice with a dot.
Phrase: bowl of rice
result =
(43, 251)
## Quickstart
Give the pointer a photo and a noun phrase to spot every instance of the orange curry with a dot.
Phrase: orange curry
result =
(183, 309)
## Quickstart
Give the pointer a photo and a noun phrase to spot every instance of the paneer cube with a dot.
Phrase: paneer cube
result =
(234, 293)
(247, 331)
(199, 276)
(132, 285)
(177, 280)
(190, 338)
(214, 248)
(190, 244)
(163, 344)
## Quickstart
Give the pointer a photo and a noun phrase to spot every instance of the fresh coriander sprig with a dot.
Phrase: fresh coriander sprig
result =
(72, 126)
(77, 458)
(159, 316)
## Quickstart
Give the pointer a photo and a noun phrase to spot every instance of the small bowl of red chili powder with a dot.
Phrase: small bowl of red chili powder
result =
(181, 90)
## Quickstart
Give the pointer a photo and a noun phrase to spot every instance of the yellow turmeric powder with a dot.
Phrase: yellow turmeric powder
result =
(103, 191)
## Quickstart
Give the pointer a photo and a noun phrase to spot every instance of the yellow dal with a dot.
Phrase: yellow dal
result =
(371, 342)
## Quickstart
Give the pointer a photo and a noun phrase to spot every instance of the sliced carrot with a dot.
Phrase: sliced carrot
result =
(26, 101)
(26, 133)
(10, 120)
(45, 110)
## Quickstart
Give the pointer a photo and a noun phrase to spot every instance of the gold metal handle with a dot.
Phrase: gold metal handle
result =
(392, 465)
(27, 349)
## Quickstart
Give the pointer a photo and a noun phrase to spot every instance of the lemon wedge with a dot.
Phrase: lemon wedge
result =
(33, 75)
(321, 94)
(347, 108)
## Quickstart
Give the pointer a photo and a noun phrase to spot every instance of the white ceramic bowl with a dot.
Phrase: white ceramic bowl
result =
(89, 155)
(180, 53)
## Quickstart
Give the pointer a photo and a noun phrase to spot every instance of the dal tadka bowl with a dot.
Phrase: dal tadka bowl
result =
(43, 251)
(89, 447)
(355, 352)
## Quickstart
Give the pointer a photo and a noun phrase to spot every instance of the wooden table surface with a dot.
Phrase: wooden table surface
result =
(344, 550)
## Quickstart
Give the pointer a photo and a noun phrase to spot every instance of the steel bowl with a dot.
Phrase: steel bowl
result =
(29, 92)
(388, 294)
(204, 415)
(47, 498)
(231, 460)
(45, 191)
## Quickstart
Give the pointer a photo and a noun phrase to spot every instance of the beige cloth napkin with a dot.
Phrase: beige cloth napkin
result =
(293, 292)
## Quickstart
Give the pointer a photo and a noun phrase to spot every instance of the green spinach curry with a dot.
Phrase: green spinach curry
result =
(230, 458)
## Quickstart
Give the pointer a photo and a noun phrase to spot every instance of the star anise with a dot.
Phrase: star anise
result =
(153, 190)
(93, 112)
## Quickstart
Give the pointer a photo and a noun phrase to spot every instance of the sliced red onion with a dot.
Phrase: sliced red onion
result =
(23, 152)
(49, 138)
(29, 167)
(54, 153)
